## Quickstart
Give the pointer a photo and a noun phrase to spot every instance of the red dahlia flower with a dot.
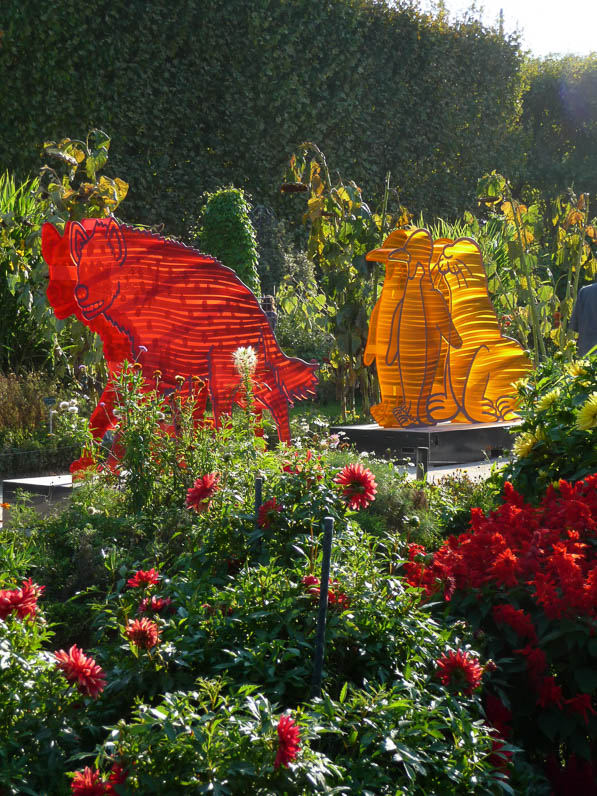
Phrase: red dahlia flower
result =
(267, 513)
(143, 577)
(460, 670)
(498, 714)
(536, 660)
(117, 776)
(288, 741)
(335, 597)
(82, 669)
(200, 494)
(359, 485)
(23, 600)
(520, 622)
(143, 633)
(550, 693)
(581, 703)
(88, 783)
(154, 605)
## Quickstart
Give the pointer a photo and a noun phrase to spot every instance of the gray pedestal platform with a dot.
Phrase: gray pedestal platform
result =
(44, 491)
(448, 443)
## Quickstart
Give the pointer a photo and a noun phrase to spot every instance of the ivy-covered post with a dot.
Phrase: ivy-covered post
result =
(228, 234)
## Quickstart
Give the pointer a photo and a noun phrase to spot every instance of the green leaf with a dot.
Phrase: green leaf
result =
(586, 678)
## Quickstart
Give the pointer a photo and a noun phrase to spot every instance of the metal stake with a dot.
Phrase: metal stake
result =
(328, 530)
(258, 497)
(421, 464)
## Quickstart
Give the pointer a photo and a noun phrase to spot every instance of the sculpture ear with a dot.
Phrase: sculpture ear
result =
(50, 241)
(116, 242)
(78, 238)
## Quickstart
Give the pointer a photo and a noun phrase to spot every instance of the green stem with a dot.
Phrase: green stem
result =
(577, 272)
(538, 342)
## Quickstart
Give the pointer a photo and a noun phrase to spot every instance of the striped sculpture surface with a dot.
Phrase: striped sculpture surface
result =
(435, 337)
(171, 309)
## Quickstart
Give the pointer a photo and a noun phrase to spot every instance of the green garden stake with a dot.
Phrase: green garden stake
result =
(49, 402)
(328, 529)
(258, 497)
(421, 463)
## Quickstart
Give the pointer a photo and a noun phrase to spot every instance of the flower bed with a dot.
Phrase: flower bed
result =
(525, 579)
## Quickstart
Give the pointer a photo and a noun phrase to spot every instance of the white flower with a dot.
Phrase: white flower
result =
(63, 405)
(73, 401)
(73, 410)
(245, 360)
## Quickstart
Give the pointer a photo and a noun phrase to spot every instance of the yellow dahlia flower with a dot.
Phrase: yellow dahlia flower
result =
(586, 417)
(576, 368)
(520, 384)
(548, 399)
(525, 442)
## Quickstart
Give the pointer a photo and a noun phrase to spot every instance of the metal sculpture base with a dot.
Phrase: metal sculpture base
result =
(448, 443)
(44, 493)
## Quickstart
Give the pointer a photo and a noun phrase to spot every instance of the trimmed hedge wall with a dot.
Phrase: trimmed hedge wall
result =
(198, 94)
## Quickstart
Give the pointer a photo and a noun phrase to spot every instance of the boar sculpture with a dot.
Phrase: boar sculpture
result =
(171, 309)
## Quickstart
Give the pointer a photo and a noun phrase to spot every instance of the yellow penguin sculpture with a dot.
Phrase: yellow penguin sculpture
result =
(435, 337)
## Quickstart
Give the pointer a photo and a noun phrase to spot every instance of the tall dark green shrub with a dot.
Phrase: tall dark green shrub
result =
(559, 124)
(227, 233)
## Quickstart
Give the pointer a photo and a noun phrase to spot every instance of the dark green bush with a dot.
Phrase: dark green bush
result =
(228, 234)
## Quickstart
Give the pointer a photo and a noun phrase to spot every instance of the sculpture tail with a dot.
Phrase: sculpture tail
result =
(295, 378)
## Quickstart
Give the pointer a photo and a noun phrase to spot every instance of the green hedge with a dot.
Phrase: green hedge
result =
(201, 93)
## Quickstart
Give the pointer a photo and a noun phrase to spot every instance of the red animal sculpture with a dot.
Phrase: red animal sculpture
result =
(169, 308)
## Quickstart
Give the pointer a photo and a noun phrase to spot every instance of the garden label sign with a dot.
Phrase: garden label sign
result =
(435, 337)
(171, 309)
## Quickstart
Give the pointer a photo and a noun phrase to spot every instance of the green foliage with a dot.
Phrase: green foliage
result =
(228, 234)
(278, 252)
(258, 628)
(25, 443)
(559, 124)
(211, 740)
(234, 617)
(41, 720)
(452, 497)
(554, 440)
(536, 256)
(303, 317)
(342, 229)
(219, 94)
(21, 343)
(72, 190)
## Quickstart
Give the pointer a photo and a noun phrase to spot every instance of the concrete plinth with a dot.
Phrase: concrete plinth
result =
(448, 443)
(45, 492)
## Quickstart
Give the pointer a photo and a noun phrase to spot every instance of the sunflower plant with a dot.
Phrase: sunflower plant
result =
(558, 435)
